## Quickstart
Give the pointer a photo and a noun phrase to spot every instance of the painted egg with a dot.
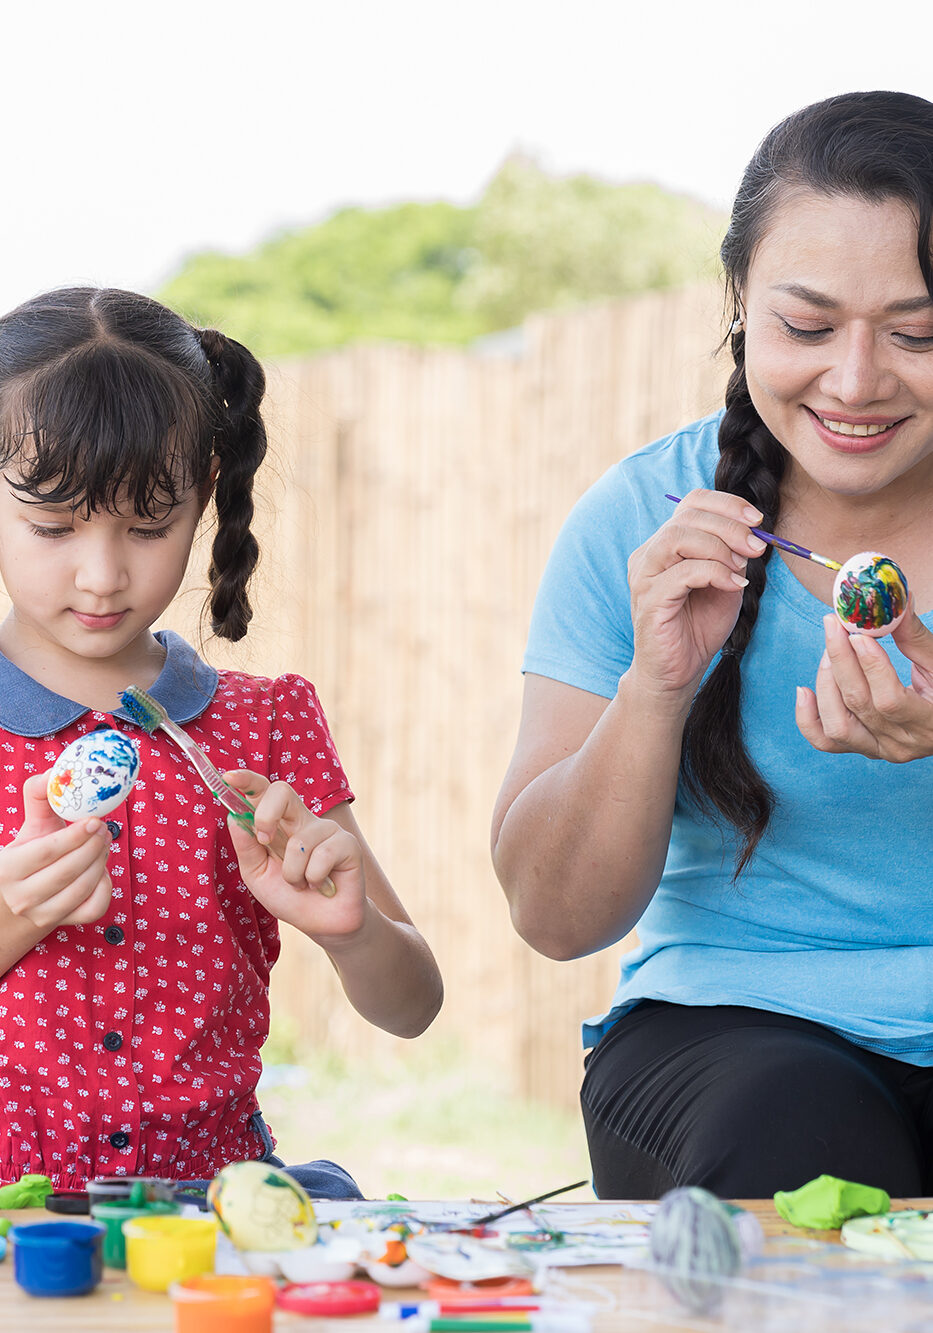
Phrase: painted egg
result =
(870, 594)
(93, 775)
(261, 1207)
(695, 1246)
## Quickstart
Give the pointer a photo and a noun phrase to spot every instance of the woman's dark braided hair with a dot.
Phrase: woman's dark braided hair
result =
(875, 146)
(106, 394)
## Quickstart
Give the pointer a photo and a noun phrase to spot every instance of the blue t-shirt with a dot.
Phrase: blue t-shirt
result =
(833, 918)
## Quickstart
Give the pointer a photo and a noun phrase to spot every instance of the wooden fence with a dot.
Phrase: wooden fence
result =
(410, 504)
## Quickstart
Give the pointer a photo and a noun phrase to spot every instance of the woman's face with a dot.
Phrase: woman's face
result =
(839, 344)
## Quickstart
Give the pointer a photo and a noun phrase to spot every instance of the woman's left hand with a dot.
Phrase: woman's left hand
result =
(859, 705)
(317, 849)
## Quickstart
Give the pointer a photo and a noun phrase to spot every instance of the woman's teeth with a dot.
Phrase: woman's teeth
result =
(847, 427)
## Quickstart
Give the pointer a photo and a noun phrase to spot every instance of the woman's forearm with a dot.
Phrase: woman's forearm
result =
(581, 848)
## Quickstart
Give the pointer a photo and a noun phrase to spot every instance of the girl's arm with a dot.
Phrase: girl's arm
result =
(582, 824)
(386, 968)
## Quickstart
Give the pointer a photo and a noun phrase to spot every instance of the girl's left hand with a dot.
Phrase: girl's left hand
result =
(859, 705)
(317, 849)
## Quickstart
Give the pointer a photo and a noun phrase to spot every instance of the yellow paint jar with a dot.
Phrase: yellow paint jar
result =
(163, 1250)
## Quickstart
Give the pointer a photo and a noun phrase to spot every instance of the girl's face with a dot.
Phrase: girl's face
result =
(839, 344)
(89, 585)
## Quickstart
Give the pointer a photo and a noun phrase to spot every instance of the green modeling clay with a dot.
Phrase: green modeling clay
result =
(827, 1202)
(28, 1192)
(5, 1225)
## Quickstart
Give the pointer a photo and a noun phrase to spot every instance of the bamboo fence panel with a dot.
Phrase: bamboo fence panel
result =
(406, 512)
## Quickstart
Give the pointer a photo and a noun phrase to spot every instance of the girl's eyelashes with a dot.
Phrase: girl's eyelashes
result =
(151, 534)
(146, 534)
(48, 532)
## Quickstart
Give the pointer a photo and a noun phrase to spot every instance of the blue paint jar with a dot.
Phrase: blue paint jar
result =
(57, 1258)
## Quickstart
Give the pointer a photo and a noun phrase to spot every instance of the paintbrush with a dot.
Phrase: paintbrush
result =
(149, 714)
(525, 1203)
(792, 547)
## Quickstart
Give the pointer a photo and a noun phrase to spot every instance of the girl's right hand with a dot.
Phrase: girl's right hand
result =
(52, 873)
(686, 584)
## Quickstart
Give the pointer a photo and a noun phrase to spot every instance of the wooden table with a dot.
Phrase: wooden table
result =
(117, 1306)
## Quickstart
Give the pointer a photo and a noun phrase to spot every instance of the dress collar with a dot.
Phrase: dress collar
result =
(184, 687)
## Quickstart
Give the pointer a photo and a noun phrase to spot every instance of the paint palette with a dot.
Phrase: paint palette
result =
(93, 775)
(870, 594)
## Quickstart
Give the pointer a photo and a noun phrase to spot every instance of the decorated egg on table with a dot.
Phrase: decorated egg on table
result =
(261, 1207)
(696, 1247)
(93, 775)
(870, 594)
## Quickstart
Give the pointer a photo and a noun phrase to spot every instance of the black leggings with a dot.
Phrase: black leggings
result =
(746, 1102)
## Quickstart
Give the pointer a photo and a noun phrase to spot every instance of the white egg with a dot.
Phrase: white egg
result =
(93, 775)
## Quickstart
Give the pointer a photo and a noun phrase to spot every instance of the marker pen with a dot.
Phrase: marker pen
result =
(470, 1323)
(478, 1304)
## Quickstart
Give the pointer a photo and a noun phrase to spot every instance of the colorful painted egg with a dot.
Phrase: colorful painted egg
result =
(261, 1207)
(695, 1246)
(870, 594)
(93, 775)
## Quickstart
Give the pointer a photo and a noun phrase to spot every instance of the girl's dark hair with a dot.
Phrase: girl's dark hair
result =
(873, 145)
(106, 394)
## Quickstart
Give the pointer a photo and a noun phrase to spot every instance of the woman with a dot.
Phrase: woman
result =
(776, 1021)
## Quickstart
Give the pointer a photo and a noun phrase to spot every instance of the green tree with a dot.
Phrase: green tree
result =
(438, 273)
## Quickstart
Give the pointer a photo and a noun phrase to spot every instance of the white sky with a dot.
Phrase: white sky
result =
(134, 134)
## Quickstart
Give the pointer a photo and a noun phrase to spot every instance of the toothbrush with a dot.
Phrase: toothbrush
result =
(792, 547)
(149, 714)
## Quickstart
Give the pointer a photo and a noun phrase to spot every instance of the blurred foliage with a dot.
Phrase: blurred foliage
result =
(438, 273)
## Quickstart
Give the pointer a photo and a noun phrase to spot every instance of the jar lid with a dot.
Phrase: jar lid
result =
(329, 1297)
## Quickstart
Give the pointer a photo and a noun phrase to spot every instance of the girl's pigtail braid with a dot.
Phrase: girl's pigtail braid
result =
(715, 764)
(240, 445)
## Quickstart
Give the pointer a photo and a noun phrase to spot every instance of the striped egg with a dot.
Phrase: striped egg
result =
(694, 1245)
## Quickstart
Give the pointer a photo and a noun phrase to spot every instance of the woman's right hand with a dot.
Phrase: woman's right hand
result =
(52, 873)
(686, 585)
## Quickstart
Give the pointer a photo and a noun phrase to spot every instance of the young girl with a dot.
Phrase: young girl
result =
(135, 954)
(776, 1023)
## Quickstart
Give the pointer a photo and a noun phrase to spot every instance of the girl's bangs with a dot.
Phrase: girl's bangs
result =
(107, 425)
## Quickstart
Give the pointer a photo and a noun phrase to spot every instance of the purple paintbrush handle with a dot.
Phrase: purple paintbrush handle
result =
(770, 538)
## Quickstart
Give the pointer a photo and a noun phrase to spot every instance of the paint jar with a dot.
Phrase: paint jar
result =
(124, 1189)
(163, 1250)
(218, 1303)
(57, 1258)
(114, 1214)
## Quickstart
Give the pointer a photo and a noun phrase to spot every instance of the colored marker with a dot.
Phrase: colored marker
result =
(479, 1305)
(543, 1323)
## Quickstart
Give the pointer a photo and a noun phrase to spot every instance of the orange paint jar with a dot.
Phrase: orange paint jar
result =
(220, 1303)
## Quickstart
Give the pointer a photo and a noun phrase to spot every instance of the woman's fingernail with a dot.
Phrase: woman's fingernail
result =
(753, 515)
(755, 544)
(824, 662)
(801, 695)
(263, 838)
(737, 579)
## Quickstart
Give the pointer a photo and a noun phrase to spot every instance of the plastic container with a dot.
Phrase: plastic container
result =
(58, 1258)
(114, 1214)
(114, 1189)
(218, 1303)
(163, 1250)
